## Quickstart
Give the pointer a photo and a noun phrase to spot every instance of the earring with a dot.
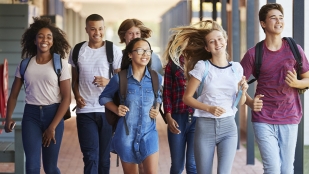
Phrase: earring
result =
(130, 59)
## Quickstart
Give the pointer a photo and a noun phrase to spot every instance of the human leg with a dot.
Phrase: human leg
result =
(267, 140)
(129, 168)
(287, 143)
(177, 144)
(190, 161)
(32, 138)
(204, 144)
(226, 143)
(88, 137)
(50, 154)
(150, 164)
(105, 136)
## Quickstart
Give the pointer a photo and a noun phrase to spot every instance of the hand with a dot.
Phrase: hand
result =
(100, 81)
(122, 110)
(153, 113)
(80, 102)
(8, 125)
(258, 103)
(243, 85)
(216, 111)
(291, 78)
(172, 124)
(48, 136)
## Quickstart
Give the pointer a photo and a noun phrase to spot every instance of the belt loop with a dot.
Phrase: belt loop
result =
(189, 118)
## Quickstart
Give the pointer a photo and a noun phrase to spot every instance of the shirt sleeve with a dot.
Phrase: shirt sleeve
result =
(198, 70)
(117, 57)
(167, 88)
(17, 72)
(65, 74)
(304, 60)
(109, 91)
(70, 61)
(247, 63)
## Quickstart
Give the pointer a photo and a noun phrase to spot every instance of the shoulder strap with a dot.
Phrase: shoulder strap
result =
(155, 86)
(23, 66)
(258, 60)
(123, 85)
(57, 66)
(76, 50)
(110, 57)
(200, 87)
(296, 54)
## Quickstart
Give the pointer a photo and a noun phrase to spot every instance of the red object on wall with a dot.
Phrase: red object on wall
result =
(4, 79)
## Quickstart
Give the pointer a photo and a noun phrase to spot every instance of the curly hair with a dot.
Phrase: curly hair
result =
(129, 48)
(60, 44)
(190, 41)
(129, 23)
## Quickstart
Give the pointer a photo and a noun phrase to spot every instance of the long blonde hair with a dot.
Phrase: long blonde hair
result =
(190, 41)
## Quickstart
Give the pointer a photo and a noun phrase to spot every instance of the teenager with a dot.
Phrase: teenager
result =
(276, 107)
(179, 117)
(47, 97)
(141, 144)
(88, 81)
(215, 107)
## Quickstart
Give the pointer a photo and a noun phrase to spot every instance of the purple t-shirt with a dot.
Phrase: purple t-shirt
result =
(281, 103)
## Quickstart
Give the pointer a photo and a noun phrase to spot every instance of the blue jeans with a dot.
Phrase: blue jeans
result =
(181, 145)
(277, 145)
(209, 134)
(94, 134)
(36, 120)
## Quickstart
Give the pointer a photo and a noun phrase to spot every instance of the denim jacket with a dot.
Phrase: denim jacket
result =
(143, 137)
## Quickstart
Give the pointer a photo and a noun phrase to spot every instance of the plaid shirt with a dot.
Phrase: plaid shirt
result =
(173, 90)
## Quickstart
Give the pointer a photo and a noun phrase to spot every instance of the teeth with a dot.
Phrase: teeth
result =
(44, 45)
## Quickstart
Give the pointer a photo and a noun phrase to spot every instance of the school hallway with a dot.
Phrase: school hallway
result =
(71, 162)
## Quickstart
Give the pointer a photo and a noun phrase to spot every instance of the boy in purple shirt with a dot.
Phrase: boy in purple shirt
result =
(276, 108)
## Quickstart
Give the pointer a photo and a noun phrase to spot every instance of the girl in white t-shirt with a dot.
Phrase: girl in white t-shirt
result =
(47, 96)
(204, 48)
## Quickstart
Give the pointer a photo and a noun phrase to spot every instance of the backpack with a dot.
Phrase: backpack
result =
(109, 54)
(57, 67)
(113, 118)
(259, 58)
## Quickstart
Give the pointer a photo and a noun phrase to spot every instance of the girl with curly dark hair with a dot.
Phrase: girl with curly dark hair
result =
(47, 95)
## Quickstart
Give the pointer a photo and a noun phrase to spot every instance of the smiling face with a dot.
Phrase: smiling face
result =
(215, 42)
(132, 33)
(274, 22)
(44, 40)
(138, 59)
(95, 31)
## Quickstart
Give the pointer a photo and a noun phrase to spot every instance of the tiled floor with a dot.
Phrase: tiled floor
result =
(70, 159)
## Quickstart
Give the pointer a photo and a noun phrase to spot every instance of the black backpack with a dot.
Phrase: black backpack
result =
(259, 58)
(57, 67)
(113, 118)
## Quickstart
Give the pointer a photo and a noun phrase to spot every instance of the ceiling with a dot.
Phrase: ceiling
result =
(118, 10)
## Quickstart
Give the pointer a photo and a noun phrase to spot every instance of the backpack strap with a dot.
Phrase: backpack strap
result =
(23, 66)
(57, 66)
(200, 87)
(123, 86)
(258, 60)
(110, 57)
(296, 54)
(75, 53)
(155, 86)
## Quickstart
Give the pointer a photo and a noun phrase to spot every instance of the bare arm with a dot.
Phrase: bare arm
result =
(11, 104)
(80, 102)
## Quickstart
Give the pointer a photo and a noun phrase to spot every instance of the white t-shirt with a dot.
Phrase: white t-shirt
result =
(41, 82)
(93, 62)
(220, 87)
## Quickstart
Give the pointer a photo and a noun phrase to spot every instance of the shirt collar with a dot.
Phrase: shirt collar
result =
(130, 72)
